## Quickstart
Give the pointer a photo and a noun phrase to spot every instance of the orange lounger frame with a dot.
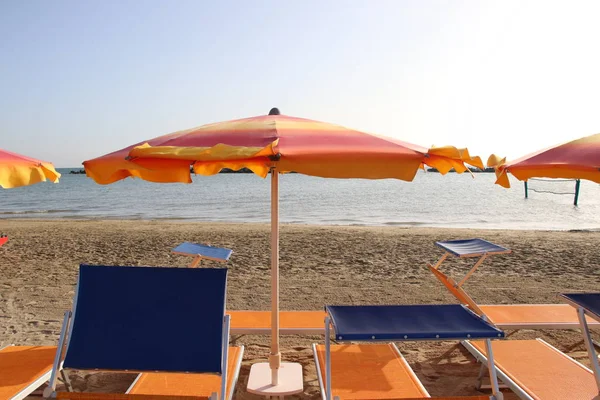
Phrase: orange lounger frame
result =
(517, 316)
(290, 322)
(368, 371)
(121, 396)
(188, 385)
(535, 370)
(534, 316)
(23, 369)
(372, 371)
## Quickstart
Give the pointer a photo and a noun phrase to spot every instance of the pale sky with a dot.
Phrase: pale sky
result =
(80, 79)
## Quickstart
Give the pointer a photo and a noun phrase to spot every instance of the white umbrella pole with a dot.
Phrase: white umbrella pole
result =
(275, 358)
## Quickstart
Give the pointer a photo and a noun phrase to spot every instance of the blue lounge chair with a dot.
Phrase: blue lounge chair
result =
(587, 304)
(150, 320)
(379, 371)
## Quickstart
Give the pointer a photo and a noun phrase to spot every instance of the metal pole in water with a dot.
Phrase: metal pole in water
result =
(577, 184)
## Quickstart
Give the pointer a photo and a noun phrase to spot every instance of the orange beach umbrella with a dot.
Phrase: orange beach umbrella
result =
(17, 170)
(274, 143)
(578, 159)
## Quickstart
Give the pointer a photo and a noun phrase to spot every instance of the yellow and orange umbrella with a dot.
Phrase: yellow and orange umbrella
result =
(259, 143)
(578, 159)
(17, 170)
(274, 143)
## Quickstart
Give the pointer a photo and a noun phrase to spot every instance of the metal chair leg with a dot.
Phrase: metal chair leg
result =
(66, 380)
(481, 375)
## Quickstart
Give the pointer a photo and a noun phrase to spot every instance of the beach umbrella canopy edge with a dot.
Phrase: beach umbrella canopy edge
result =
(295, 144)
(17, 170)
(577, 159)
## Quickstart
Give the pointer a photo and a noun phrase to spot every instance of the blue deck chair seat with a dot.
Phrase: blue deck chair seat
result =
(148, 319)
(409, 322)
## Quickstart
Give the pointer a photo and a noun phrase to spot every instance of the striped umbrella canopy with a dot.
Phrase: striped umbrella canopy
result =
(260, 143)
(18, 170)
(274, 143)
(578, 159)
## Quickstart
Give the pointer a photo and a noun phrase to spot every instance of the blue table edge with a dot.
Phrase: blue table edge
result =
(504, 250)
(229, 251)
(576, 305)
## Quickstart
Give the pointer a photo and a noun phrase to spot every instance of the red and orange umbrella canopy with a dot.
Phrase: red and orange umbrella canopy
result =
(258, 143)
(17, 170)
(578, 159)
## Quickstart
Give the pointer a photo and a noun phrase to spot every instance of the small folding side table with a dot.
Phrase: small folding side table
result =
(469, 248)
(463, 249)
(202, 252)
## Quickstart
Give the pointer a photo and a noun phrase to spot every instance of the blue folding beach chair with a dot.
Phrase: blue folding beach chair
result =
(368, 371)
(587, 304)
(150, 320)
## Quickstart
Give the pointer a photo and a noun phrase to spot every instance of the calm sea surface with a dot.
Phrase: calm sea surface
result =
(430, 200)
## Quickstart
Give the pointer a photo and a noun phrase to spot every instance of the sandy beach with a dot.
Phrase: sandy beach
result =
(319, 265)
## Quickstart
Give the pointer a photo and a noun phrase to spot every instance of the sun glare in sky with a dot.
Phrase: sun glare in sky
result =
(81, 79)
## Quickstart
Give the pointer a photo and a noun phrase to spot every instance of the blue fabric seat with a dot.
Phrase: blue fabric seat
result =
(588, 301)
(409, 322)
(587, 304)
(147, 319)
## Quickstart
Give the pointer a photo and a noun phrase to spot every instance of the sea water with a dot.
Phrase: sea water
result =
(453, 200)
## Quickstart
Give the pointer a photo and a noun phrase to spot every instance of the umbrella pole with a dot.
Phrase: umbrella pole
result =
(275, 379)
(275, 357)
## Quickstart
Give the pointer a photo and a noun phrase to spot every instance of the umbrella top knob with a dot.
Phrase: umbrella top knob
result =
(274, 111)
